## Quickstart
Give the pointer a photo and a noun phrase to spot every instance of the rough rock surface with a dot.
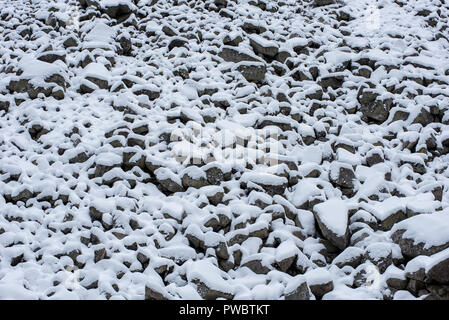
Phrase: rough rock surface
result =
(216, 149)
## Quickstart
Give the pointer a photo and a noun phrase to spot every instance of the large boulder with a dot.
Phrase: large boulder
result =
(373, 105)
(209, 281)
(342, 175)
(169, 180)
(297, 289)
(438, 268)
(263, 46)
(232, 54)
(424, 234)
(118, 9)
(320, 3)
(271, 183)
(332, 218)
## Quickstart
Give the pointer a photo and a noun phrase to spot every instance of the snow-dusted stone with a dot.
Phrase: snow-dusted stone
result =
(99, 208)
(263, 46)
(320, 281)
(4, 104)
(285, 255)
(154, 291)
(365, 275)
(438, 268)
(395, 278)
(177, 42)
(351, 256)
(125, 44)
(232, 39)
(374, 156)
(320, 3)
(97, 74)
(373, 106)
(194, 177)
(51, 56)
(364, 217)
(168, 180)
(332, 218)
(380, 254)
(342, 175)
(117, 9)
(253, 26)
(213, 193)
(231, 54)
(333, 80)
(297, 289)
(424, 234)
(214, 173)
(209, 281)
(284, 124)
(252, 71)
(259, 263)
(149, 90)
(38, 77)
(389, 212)
(70, 42)
(106, 161)
(272, 184)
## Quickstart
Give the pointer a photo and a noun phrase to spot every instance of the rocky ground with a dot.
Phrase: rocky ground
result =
(224, 149)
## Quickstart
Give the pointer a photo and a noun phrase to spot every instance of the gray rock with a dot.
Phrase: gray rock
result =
(333, 81)
(396, 283)
(125, 44)
(234, 41)
(101, 83)
(297, 290)
(154, 294)
(260, 47)
(439, 271)
(189, 180)
(320, 3)
(372, 106)
(95, 214)
(400, 115)
(99, 254)
(351, 256)
(176, 43)
(373, 157)
(70, 42)
(389, 221)
(411, 248)
(168, 180)
(230, 54)
(340, 241)
(51, 56)
(208, 293)
(342, 175)
(250, 27)
(4, 105)
(252, 72)
(256, 266)
(380, 255)
(319, 290)
(214, 174)
(424, 117)
(152, 94)
(118, 10)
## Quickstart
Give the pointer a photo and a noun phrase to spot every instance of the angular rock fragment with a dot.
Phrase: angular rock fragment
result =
(422, 234)
(297, 289)
(263, 46)
(332, 218)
